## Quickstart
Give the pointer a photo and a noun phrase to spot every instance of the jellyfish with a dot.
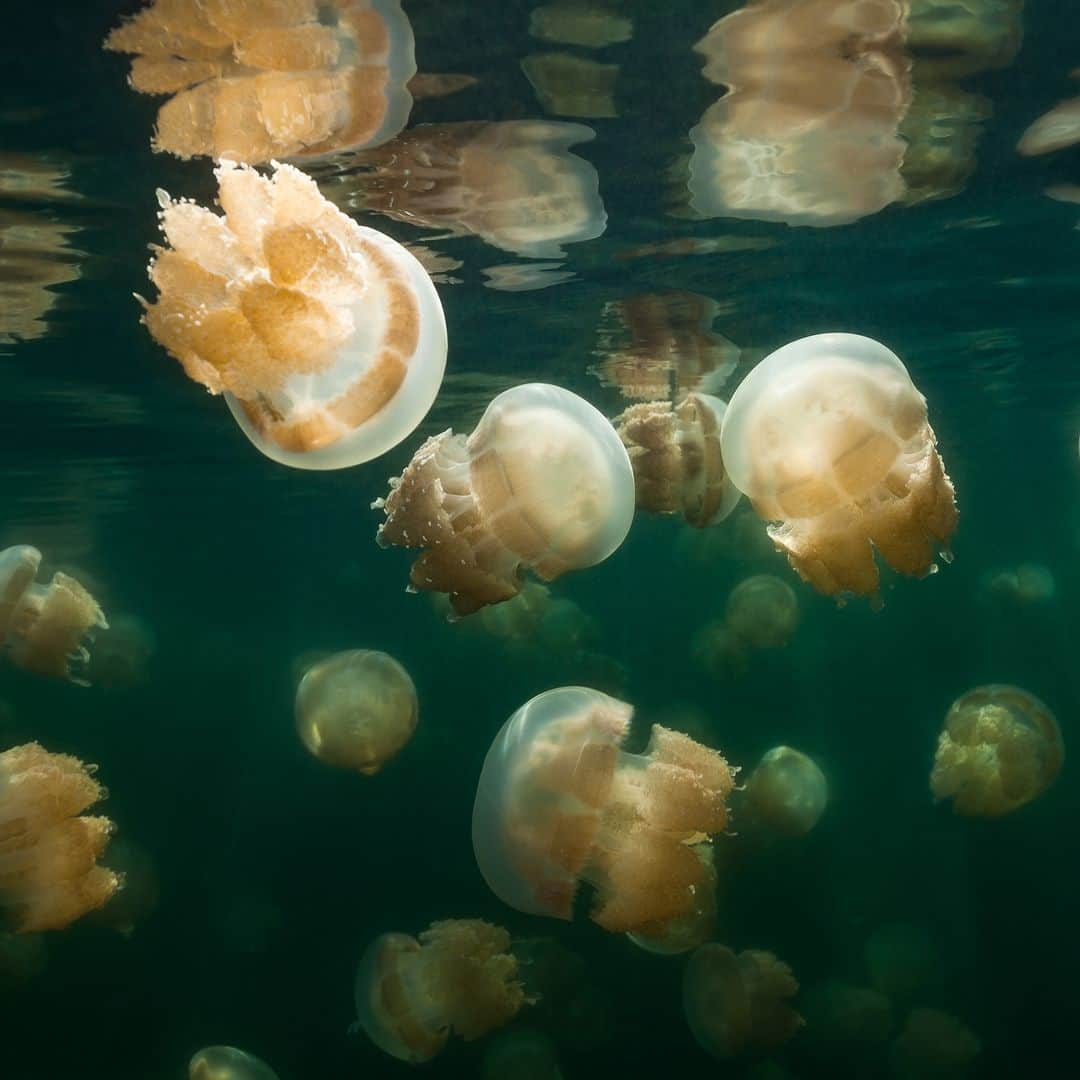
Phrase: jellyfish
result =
(787, 791)
(691, 929)
(138, 899)
(43, 627)
(255, 81)
(49, 850)
(356, 710)
(762, 612)
(829, 438)
(458, 976)
(228, 1063)
(542, 482)
(1001, 748)
(844, 1022)
(521, 1054)
(1054, 130)
(1029, 584)
(957, 38)
(579, 22)
(904, 962)
(570, 85)
(560, 802)
(675, 455)
(934, 1045)
(738, 1006)
(327, 338)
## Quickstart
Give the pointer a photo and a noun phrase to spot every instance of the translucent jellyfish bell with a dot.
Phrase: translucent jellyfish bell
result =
(326, 338)
(762, 612)
(228, 1063)
(560, 802)
(829, 438)
(787, 791)
(1000, 749)
(542, 482)
(356, 709)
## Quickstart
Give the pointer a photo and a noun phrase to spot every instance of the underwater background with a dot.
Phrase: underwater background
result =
(272, 870)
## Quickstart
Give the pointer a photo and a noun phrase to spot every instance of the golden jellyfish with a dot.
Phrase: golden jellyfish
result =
(542, 482)
(808, 132)
(787, 791)
(762, 612)
(49, 850)
(829, 438)
(1001, 748)
(327, 338)
(675, 455)
(257, 79)
(228, 1063)
(459, 976)
(738, 1005)
(693, 928)
(43, 627)
(934, 1045)
(560, 802)
(356, 710)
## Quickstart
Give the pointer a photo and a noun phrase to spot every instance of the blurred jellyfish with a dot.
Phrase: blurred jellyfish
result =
(933, 1046)
(903, 962)
(560, 802)
(327, 338)
(807, 133)
(228, 1063)
(356, 710)
(137, 900)
(762, 612)
(787, 791)
(737, 1005)
(1026, 585)
(956, 38)
(1055, 130)
(255, 81)
(675, 455)
(1001, 748)
(829, 438)
(691, 929)
(542, 482)
(458, 977)
(43, 627)
(520, 1054)
(569, 85)
(49, 875)
(122, 653)
(579, 22)
(845, 1023)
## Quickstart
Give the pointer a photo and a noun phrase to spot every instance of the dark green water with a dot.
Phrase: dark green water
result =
(274, 870)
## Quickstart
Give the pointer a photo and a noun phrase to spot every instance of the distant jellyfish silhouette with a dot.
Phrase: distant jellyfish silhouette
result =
(933, 1045)
(787, 791)
(43, 628)
(543, 483)
(255, 81)
(327, 338)
(762, 612)
(829, 438)
(560, 803)
(228, 1063)
(1000, 749)
(356, 709)
(458, 977)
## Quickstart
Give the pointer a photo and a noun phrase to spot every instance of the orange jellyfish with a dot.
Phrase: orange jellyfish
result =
(228, 1063)
(738, 1005)
(1000, 749)
(43, 627)
(459, 976)
(691, 929)
(49, 875)
(255, 80)
(787, 791)
(560, 802)
(675, 455)
(934, 1045)
(542, 482)
(356, 710)
(829, 438)
(327, 338)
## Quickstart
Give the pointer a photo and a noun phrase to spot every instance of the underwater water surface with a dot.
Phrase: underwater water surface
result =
(602, 190)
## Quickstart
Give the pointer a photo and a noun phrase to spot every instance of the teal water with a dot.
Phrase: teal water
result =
(273, 870)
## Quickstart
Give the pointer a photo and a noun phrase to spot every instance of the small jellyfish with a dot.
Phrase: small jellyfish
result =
(829, 438)
(228, 1063)
(762, 612)
(1029, 584)
(675, 455)
(356, 710)
(696, 926)
(43, 627)
(49, 873)
(787, 791)
(327, 338)
(542, 482)
(459, 976)
(933, 1046)
(560, 802)
(1001, 748)
(738, 1006)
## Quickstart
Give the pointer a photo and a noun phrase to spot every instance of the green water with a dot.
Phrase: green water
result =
(274, 870)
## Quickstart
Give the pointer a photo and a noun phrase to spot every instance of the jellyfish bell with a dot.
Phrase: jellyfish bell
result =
(737, 1005)
(691, 929)
(356, 709)
(326, 338)
(560, 803)
(458, 976)
(787, 791)
(542, 482)
(1001, 748)
(762, 612)
(829, 438)
(228, 1063)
